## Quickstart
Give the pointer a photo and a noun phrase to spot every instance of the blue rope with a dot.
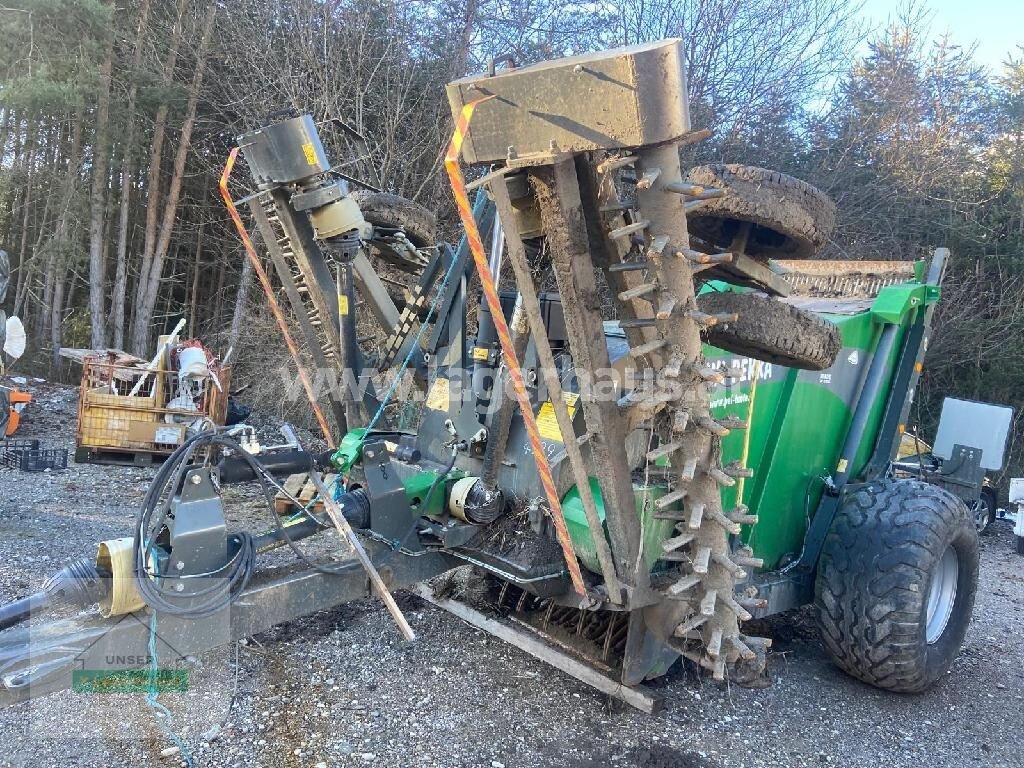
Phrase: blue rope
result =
(413, 348)
(163, 715)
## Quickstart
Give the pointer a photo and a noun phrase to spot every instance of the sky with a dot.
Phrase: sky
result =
(997, 26)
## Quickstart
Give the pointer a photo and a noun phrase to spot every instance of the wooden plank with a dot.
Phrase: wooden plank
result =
(292, 486)
(308, 492)
(301, 487)
(638, 696)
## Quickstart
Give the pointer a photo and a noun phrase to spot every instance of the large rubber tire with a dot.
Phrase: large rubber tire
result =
(385, 210)
(771, 330)
(880, 558)
(790, 218)
(392, 212)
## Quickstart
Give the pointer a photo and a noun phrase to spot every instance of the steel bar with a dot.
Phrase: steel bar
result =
(284, 274)
(511, 361)
(261, 274)
(549, 372)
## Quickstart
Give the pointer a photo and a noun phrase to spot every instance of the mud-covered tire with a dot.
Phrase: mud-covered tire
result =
(790, 219)
(771, 331)
(395, 212)
(884, 552)
(389, 213)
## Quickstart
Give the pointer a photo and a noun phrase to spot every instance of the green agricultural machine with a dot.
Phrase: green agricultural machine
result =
(691, 426)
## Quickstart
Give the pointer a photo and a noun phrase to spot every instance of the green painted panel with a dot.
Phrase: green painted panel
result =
(798, 422)
(655, 531)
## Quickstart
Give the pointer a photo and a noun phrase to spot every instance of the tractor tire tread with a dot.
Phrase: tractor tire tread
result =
(771, 331)
(801, 216)
(873, 578)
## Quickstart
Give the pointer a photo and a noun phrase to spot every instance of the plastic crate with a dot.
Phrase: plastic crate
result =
(27, 456)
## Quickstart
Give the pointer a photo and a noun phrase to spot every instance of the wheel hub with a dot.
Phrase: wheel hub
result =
(941, 595)
(980, 513)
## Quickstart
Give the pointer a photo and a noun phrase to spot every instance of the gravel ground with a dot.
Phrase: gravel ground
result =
(340, 689)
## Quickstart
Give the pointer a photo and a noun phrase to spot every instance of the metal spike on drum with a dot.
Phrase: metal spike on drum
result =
(630, 266)
(670, 498)
(743, 519)
(718, 669)
(690, 625)
(698, 257)
(750, 562)
(670, 514)
(680, 420)
(696, 517)
(741, 613)
(663, 450)
(657, 246)
(701, 560)
(676, 542)
(725, 522)
(753, 603)
(674, 367)
(614, 163)
(649, 177)
(733, 422)
(689, 470)
(645, 349)
(715, 642)
(720, 477)
(708, 602)
(711, 375)
(723, 560)
(628, 229)
(744, 651)
(638, 322)
(665, 308)
(685, 584)
(638, 291)
(712, 426)
(733, 469)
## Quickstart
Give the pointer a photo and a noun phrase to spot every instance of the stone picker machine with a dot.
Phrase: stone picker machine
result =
(690, 428)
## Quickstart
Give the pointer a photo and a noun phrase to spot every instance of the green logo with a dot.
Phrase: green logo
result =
(129, 680)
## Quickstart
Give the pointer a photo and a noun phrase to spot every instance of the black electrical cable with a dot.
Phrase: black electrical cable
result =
(444, 473)
(238, 571)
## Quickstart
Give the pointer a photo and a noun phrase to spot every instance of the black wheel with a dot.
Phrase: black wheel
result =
(896, 583)
(983, 510)
(771, 330)
(788, 218)
(391, 214)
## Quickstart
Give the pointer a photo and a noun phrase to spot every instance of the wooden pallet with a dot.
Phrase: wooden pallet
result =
(301, 487)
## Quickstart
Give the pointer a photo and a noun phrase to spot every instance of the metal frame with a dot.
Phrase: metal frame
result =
(794, 585)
